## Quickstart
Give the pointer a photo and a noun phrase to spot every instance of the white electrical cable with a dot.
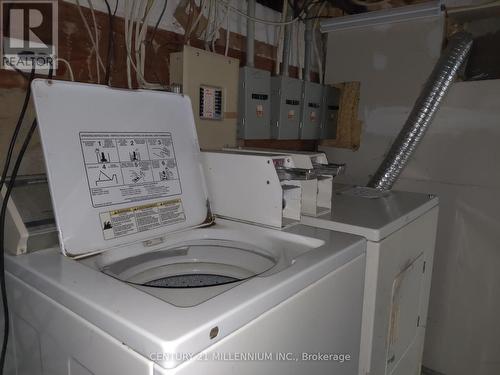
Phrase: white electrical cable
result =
(300, 49)
(136, 47)
(144, 31)
(318, 57)
(127, 47)
(141, 32)
(281, 36)
(213, 30)
(213, 25)
(136, 27)
(68, 65)
(96, 34)
(90, 33)
(218, 24)
(228, 32)
(130, 10)
(195, 24)
(135, 17)
(208, 27)
(315, 43)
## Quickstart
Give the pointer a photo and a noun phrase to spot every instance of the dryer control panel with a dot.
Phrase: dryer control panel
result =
(257, 188)
(316, 194)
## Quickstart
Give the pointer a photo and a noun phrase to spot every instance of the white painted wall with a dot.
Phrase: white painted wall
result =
(457, 160)
(392, 63)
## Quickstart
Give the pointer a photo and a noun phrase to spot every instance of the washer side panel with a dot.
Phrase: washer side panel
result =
(50, 339)
(323, 318)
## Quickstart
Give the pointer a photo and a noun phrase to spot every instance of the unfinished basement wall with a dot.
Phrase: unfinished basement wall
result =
(457, 160)
(75, 46)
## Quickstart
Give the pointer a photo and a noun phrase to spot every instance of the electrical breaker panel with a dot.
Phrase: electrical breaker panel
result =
(254, 104)
(311, 110)
(211, 82)
(331, 100)
(286, 100)
(210, 103)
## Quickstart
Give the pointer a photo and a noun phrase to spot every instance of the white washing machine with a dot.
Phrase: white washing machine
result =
(146, 281)
(400, 228)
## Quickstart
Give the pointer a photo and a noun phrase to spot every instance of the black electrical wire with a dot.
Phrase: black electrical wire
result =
(17, 129)
(158, 22)
(150, 40)
(110, 42)
(346, 5)
(299, 11)
(315, 18)
(3, 212)
(17, 70)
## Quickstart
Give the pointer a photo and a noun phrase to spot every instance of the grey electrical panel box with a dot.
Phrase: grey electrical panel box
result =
(312, 104)
(254, 104)
(286, 100)
(331, 100)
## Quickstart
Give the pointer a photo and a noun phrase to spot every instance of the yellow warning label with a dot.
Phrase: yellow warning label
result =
(130, 220)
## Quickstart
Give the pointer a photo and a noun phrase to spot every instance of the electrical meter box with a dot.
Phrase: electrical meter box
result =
(286, 99)
(211, 82)
(254, 104)
(312, 104)
(331, 100)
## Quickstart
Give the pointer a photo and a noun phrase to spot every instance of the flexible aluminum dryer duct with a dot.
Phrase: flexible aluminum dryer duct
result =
(423, 112)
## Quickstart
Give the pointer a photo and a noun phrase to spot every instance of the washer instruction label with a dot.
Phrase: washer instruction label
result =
(128, 167)
(132, 220)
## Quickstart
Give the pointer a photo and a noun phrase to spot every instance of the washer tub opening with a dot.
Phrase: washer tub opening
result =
(191, 281)
(193, 264)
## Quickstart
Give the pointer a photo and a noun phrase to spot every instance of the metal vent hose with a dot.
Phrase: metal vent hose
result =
(423, 112)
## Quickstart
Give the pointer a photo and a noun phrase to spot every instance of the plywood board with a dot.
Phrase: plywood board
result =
(348, 123)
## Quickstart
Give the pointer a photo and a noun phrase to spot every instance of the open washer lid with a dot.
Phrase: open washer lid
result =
(123, 165)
